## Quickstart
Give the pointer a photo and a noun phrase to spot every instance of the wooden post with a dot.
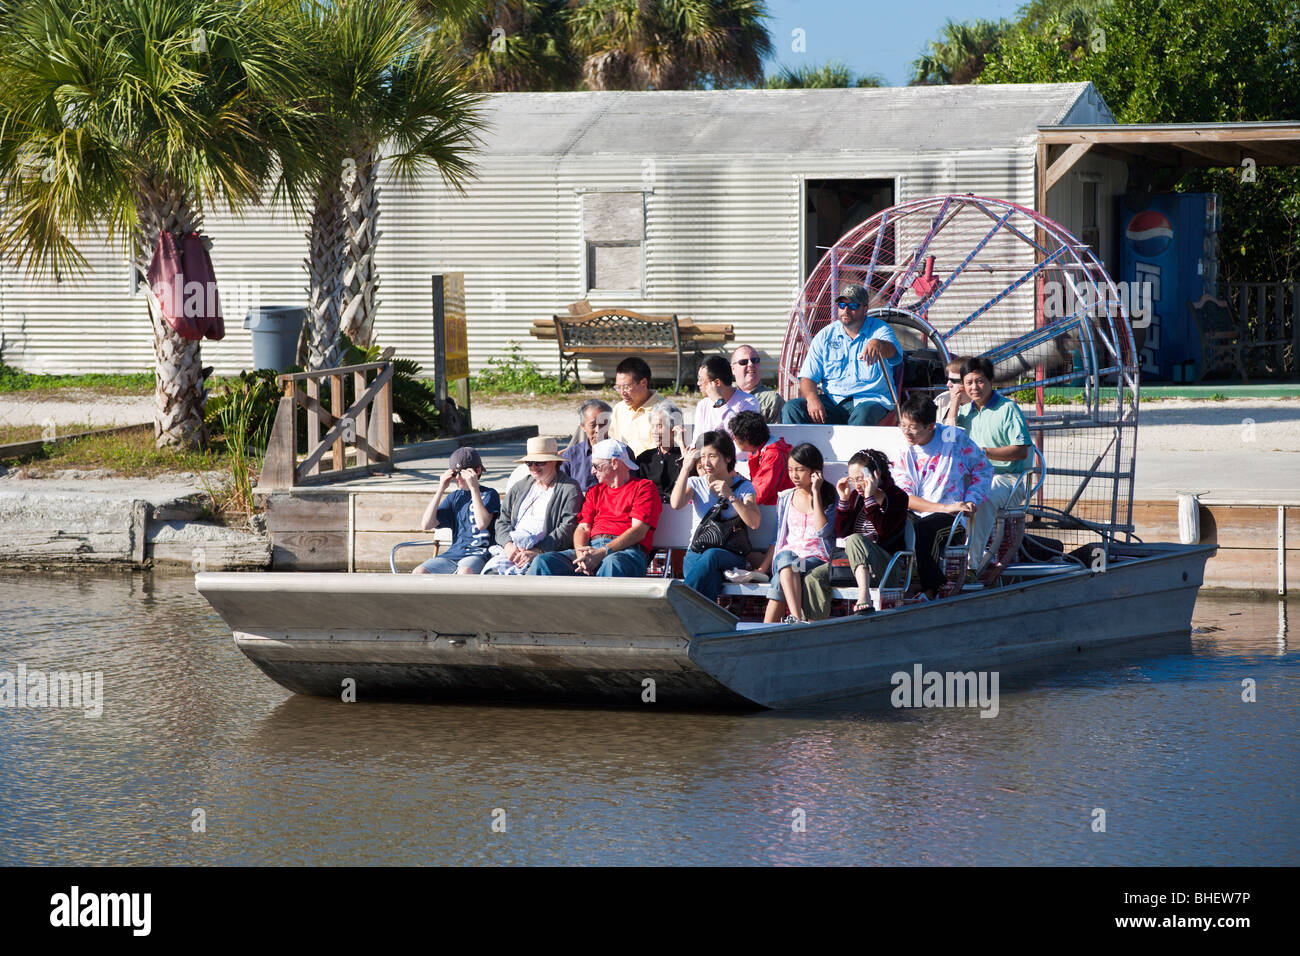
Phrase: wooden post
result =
(359, 429)
(383, 420)
(439, 340)
(313, 421)
(278, 465)
(336, 412)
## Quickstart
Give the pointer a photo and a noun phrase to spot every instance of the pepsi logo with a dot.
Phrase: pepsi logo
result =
(1149, 233)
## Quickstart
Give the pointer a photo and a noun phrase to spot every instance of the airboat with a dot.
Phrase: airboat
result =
(953, 275)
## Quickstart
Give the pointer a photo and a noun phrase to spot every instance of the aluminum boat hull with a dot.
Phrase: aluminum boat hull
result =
(621, 642)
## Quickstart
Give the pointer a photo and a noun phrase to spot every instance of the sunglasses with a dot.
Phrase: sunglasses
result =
(746, 361)
(850, 306)
(954, 381)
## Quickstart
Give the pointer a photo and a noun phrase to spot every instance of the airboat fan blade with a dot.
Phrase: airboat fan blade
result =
(1029, 296)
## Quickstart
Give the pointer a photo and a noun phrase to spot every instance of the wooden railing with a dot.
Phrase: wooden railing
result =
(366, 425)
(1268, 317)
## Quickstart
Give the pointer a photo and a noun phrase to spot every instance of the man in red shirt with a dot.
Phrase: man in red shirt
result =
(767, 458)
(616, 527)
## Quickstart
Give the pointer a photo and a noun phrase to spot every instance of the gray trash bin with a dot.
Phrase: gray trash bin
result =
(275, 331)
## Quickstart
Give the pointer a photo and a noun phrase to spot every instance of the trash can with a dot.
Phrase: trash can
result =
(275, 331)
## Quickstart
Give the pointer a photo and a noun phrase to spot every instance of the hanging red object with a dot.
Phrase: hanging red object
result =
(184, 286)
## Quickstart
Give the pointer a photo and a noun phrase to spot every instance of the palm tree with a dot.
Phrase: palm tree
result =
(383, 95)
(507, 46)
(828, 76)
(671, 44)
(960, 53)
(133, 116)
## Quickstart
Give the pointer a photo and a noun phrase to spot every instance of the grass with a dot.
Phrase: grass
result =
(14, 380)
(126, 455)
(16, 433)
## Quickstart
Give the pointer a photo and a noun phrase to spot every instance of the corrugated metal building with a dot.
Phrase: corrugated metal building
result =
(709, 204)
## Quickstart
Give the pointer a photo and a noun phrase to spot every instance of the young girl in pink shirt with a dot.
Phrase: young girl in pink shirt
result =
(803, 534)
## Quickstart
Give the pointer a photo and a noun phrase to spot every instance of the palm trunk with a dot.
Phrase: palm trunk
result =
(360, 279)
(178, 373)
(326, 239)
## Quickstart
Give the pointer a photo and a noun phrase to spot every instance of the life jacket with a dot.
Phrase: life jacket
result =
(184, 286)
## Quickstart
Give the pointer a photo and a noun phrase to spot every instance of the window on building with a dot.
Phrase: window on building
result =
(613, 233)
(1090, 231)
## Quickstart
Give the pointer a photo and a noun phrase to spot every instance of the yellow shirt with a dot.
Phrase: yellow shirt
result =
(632, 427)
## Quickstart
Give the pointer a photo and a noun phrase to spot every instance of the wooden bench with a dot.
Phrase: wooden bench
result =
(622, 332)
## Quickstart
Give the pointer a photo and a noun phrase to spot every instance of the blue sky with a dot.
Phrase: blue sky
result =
(867, 35)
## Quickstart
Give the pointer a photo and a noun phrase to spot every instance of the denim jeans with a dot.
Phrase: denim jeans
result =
(788, 559)
(628, 563)
(865, 412)
(703, 571)
(441, 565)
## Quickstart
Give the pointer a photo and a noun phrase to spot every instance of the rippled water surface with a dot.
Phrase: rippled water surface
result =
(1159, 738)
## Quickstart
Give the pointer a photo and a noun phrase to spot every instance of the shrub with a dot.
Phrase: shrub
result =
(516, 375)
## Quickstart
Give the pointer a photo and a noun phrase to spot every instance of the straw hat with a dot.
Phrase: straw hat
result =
(540, 449)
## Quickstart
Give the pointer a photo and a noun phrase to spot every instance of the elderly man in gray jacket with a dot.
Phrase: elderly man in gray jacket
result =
(538, 514)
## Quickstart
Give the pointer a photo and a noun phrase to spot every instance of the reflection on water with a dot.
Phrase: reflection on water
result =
(1158, 737)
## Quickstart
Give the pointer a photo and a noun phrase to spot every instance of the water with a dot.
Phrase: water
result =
(1159, 738)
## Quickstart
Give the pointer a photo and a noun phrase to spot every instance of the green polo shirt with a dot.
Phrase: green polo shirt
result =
(999, 423)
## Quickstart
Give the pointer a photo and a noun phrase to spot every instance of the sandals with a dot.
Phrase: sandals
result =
(864, 607)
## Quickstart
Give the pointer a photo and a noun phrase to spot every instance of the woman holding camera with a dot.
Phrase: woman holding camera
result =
(716, 486)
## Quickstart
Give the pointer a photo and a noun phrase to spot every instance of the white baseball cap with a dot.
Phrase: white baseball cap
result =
(612, 448)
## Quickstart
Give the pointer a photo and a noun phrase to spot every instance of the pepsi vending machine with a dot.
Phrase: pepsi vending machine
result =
(1169, 256)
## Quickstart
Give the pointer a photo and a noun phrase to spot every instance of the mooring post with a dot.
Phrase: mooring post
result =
(1281, 551)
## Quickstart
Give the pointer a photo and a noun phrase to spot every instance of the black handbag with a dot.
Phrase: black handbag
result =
(714, 531)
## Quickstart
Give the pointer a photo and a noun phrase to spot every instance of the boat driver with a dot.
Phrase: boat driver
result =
(842, 381)
(616, 526)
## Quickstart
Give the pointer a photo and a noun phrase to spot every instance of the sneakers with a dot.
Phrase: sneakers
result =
(791, 619)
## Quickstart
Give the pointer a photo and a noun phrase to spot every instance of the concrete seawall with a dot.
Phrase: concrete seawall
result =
(119, 522)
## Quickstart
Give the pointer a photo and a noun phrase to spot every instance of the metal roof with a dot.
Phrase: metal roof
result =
(722, 122)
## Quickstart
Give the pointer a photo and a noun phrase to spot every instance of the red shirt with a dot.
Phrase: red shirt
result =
(767, 471)
(609, 510)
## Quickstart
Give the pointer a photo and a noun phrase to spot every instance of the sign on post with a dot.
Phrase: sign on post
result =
(451, 349)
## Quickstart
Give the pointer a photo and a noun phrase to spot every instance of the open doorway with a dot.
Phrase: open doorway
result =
(834, 206)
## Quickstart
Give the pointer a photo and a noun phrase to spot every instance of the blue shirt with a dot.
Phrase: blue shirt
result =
(577, 463)
(457, 510)
(833, 363)
(703, 498)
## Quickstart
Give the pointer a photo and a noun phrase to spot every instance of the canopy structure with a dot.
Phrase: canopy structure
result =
(1245, 146)
(964, 275)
